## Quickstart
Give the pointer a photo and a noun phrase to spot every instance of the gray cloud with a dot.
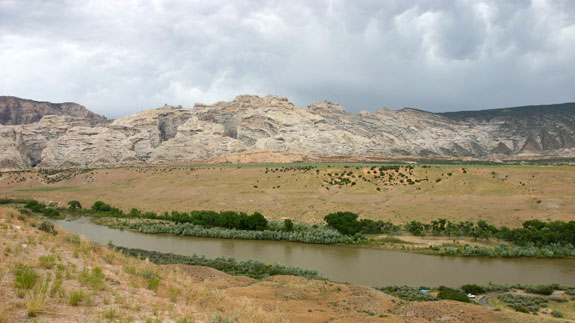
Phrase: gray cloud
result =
(119, 57)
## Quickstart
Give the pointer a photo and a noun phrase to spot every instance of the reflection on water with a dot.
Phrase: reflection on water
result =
(363, 266)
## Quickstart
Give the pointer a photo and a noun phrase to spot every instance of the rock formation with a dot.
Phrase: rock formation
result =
(75, 137)
(15, 111)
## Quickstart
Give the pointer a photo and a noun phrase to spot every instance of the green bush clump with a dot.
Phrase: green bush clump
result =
(47, 226)
(539, 289)
(47, 262)
(38, 207)
(76, 297)
(74, 204)
(452, 294)
(346, 223)
(408, 293)
(532, 303)
(208, 219)
(556, 313)
(521, 309)
(504, 250)
(250, 268)
(319, 235)
(25, 276)
(473, 289)
(93, 278)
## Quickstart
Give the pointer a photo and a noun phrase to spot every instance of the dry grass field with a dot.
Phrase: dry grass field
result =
(500, 195)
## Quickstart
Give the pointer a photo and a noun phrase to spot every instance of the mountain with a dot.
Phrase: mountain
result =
(251, 124)
(16, 111)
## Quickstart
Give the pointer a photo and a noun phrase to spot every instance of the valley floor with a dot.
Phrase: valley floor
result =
(66, 279)
(499, 195)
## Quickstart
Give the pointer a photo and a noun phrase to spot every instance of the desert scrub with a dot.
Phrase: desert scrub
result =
(250, 268)
(76, 297)
(408, 293)
(93, 278)
(73, 238)
(320, 235)
(452, 294)
(24, 276)
(37, 297)
(47, 226)
(47, 262)
(531, 303)
(553, 250)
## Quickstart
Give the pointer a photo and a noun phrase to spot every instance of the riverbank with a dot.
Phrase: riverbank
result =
(343, 263)
(88, 282)
(535, 239)
(443, 246)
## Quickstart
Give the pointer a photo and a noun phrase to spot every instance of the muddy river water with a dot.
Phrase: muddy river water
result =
(362, 266)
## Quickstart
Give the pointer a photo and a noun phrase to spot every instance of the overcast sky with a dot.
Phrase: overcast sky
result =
(120, 57)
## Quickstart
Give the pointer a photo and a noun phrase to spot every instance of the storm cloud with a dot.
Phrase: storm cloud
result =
(119, 57)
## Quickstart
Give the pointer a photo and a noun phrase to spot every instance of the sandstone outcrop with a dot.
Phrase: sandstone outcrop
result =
(251, 124)
(15, 111)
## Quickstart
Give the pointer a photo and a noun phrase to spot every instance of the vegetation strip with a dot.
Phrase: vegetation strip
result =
(251, 268)
(534, 239)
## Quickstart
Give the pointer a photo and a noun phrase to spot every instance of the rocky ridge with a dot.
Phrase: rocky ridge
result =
(250, 123)
(16, 111)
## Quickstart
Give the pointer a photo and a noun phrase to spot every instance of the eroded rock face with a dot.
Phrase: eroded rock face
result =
(253, 124)
(16, 111)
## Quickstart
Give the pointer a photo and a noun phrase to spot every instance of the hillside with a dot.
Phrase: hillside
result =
(250, 123)
(500, 195)
(64, 278)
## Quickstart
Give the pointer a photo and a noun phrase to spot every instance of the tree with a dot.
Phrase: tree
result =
(288, 225)
(344, 222)
(100, 206)
(75, 204)
(416, 228)
(257, 221)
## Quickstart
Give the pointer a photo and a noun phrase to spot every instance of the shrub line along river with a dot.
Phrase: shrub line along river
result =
(355, 265)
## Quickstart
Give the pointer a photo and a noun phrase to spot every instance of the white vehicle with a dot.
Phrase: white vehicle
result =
(470, 295)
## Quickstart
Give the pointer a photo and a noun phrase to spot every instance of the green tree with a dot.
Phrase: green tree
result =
(74, 204)
(344, 222)
(288, 225)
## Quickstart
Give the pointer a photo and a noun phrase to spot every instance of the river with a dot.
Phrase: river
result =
(361, 266)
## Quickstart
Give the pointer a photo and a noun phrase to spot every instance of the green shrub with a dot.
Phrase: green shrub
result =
(47, 262)
(556, 313)
(47, 226)
(521, 309)
(76, 297)
(24, 276)
(288, 225)
(531, 303)
(153, 284)
(250, 268)
(408, 293)
(540, 289)
(452, 294)
(75, 204)
(473, 289)
(559, 299)
(93, 278)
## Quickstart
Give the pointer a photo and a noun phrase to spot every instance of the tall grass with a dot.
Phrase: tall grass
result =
(37, 298)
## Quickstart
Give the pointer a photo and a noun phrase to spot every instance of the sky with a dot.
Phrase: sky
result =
(120, 57)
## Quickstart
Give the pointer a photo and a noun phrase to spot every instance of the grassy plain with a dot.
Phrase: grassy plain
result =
(500, 195)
